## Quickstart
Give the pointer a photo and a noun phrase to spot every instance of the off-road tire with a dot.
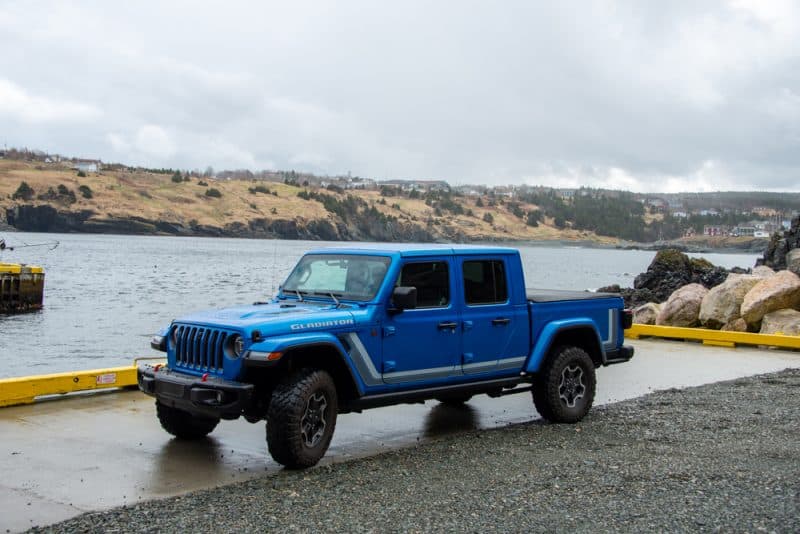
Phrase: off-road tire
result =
(563, 391)
(184, 425)
(299, 429)
(455, 399)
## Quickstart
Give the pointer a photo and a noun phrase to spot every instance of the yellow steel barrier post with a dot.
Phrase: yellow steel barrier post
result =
(24, 390)
(713, 337)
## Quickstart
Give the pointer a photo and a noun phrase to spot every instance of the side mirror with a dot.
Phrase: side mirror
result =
(404, 298)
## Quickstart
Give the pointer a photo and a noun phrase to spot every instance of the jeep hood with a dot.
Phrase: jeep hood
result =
(273, 319)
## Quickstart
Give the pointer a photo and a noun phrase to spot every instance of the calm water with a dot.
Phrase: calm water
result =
(106, 295)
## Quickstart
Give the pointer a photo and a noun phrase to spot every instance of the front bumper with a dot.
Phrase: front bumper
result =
(213, 397)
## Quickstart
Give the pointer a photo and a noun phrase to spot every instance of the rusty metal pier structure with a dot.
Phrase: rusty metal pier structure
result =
(21, 287)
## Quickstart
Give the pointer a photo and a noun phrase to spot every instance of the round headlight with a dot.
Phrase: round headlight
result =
(235, 345)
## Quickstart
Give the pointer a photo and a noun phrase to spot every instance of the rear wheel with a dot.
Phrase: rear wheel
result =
(564, 390)
(183, 424)
(301, 418)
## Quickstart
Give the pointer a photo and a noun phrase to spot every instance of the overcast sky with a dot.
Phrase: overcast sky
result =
(646, 96)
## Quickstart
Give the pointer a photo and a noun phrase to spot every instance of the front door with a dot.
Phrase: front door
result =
(423, 344)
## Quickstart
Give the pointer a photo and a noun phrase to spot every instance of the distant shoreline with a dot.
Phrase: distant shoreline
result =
(754, 246)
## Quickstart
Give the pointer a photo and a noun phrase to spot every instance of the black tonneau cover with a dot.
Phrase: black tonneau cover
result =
(555, 295)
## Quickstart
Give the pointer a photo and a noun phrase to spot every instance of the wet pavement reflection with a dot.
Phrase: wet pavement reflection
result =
(443, 419)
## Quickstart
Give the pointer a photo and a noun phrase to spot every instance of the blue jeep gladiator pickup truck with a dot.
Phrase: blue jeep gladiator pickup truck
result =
(358, 328)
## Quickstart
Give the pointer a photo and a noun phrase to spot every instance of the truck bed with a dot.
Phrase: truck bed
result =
(557, 295)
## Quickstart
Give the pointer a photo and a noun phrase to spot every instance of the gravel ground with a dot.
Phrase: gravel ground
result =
(722, 457)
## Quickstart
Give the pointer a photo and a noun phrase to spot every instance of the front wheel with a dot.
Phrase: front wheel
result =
(564, 390)
(301, 418)
(184, 425)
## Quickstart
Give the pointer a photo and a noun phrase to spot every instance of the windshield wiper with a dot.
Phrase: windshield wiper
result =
(330, 294)
(299, 295)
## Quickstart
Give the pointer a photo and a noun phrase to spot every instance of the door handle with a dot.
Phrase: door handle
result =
(447, 326)
(501, 320)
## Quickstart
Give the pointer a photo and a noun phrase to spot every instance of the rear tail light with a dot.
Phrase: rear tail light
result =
(627, 318)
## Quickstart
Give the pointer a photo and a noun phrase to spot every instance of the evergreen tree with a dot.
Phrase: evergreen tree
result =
(23, 192)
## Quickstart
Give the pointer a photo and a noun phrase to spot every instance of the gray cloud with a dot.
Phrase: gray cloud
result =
(644, 96)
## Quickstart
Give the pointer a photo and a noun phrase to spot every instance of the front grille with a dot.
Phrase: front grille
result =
(199, 348)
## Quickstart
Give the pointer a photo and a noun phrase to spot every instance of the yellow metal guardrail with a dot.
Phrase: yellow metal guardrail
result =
(713, 337)
(26, 389)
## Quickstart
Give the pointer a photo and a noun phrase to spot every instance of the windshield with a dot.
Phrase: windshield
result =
(338, 276)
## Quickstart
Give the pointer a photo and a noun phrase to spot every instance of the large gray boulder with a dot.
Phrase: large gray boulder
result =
(762, 271)
(670, 270)
(793, 261)
(683, 306)
(646, 313)
(737, 325)
(723, 303)
(786, 322)
(771, 294)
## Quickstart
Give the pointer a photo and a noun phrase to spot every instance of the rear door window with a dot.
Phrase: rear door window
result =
(485, 282)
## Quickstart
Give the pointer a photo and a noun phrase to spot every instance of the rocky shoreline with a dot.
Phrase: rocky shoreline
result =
(45, 218)
(688, 292)
(720, 457)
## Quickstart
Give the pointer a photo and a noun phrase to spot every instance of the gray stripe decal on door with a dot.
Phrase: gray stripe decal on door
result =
(494, 365)
(371, 377)
(360, 357)
(479, 367)
(418, 374)
(511, 363)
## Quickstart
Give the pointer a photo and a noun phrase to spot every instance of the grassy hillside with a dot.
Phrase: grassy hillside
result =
(126, 194)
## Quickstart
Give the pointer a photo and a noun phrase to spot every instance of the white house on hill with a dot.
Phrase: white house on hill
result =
(87, 165)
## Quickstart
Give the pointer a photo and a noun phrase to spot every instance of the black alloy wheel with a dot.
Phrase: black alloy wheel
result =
(563, 391)
(301, 418)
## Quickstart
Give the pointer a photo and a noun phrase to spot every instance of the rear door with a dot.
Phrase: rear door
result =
(495, 330)
(424, 344)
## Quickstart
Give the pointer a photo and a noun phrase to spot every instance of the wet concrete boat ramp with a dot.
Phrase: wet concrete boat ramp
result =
(92, 452)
